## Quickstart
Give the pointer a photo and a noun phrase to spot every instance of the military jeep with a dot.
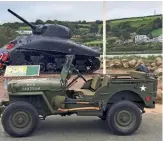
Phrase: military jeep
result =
(118, 99)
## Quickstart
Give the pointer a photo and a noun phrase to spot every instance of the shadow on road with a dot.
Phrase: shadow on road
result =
(73, 125)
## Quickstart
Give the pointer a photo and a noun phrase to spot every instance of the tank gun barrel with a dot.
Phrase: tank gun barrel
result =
(26, 22)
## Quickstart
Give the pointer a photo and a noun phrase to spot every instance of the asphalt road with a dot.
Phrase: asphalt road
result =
(75, 128)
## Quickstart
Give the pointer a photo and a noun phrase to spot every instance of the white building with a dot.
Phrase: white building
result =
(24, 32)
(160, 38)
(141, 38)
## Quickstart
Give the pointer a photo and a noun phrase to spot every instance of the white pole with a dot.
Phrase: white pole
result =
(104, 37)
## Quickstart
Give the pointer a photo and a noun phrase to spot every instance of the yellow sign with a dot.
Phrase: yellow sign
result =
(15, 71)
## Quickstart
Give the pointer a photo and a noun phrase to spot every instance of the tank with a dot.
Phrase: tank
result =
(48, 46)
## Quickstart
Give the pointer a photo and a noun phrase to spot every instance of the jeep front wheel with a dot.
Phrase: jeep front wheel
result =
(20, 119)
(124, 118)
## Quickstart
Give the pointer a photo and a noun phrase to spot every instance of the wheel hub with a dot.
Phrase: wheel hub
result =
(20, 119)
(124, 118)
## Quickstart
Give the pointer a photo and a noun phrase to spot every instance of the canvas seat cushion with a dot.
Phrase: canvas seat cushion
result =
(96, 82)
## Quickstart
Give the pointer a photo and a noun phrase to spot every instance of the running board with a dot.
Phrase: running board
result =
(78, 109)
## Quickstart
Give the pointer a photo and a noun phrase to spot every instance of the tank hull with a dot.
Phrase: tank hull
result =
(50, 52)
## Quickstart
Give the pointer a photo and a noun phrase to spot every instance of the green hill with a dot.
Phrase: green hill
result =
(141, 25)
(136, 21)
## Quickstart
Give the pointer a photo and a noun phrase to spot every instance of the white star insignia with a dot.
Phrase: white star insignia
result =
(143, 88)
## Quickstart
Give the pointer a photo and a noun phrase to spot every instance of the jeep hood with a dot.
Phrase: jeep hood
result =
(38, 84)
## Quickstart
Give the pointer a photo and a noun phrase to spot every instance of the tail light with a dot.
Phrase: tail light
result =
(10, 45)
(147, 98)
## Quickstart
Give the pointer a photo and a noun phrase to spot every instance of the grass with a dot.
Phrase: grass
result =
(87, 25)
(24, 28)
(94, 42)
(135, 19)
(157, 32)
(150, 57)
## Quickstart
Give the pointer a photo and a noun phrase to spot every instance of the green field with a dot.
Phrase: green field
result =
(157, 32)
(24, 28)
(95, 42)
(135, 21)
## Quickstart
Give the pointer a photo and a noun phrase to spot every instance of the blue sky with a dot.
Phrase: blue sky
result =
(74, 11)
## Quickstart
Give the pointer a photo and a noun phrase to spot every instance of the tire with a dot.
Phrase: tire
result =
(20, 119)
(124, 118)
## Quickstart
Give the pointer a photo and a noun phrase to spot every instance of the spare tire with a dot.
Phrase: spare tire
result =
(142, 68)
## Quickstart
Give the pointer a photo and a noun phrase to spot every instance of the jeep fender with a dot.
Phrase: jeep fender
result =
(131, 95)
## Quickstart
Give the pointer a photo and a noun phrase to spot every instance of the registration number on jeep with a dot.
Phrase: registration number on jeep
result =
(30, 87)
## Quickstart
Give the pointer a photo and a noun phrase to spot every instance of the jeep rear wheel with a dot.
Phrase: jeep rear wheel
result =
(124, 118)
(20, 119)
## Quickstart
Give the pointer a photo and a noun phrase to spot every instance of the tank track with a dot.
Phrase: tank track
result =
(52, 63)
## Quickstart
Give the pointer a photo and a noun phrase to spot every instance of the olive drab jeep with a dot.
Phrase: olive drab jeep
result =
(118, 99)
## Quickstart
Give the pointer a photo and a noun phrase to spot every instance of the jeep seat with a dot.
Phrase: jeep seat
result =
(95, 84)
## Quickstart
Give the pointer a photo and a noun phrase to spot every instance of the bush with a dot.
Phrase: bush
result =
(7, 34)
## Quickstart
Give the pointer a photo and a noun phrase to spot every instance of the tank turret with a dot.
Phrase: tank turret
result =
(53, 30)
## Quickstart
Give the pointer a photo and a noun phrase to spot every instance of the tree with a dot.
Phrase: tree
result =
(94, 28)
(157, 23)
(49, 22)
(98, 22)
(14, 26)
(145, 29)
(125, 35)
(84, 22)
(7, 34)
(110, 41)
(150, 35)
(116, 31)
(108, 28)
(39, 22)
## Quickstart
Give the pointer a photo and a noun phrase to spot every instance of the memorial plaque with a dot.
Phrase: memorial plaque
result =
(23, 70)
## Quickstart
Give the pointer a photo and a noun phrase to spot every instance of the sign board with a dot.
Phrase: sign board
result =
(23, 70)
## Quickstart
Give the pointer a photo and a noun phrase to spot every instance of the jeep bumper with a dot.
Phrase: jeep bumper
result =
(3, 104)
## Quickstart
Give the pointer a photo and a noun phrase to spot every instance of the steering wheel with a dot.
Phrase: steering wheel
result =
(79, 74)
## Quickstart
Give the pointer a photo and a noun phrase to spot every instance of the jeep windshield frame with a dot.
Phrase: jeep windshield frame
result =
(66, 68)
